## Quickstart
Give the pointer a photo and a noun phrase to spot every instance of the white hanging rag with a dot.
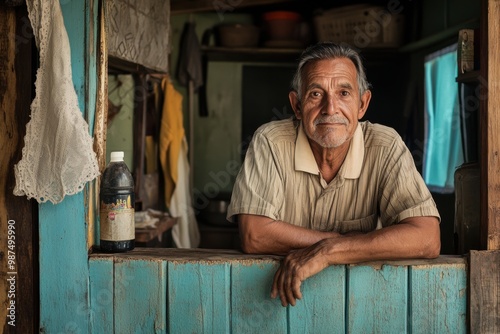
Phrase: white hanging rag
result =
(58, 158)
(185, 233)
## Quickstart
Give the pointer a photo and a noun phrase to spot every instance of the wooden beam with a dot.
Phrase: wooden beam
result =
(64, 271)
(484, 282)
(490, 125)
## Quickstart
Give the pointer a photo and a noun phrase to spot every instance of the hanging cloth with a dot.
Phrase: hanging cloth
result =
(185, 233)
(57, 159)
(443, 146)
(174, 162)
(171, 134)
(190, 67)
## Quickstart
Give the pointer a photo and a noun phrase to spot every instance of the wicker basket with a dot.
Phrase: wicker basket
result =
(362, 26)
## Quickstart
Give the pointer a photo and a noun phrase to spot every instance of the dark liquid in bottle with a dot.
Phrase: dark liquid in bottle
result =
(117, 207)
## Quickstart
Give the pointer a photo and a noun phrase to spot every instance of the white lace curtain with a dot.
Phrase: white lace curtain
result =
(57, 159)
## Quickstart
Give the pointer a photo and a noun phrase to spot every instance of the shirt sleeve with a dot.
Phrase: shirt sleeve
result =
(404, 193)
(258, 188)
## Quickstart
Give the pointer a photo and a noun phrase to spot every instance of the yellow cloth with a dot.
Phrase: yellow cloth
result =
(171, 135)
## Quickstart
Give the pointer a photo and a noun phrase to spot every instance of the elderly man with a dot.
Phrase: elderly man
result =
(324, 188)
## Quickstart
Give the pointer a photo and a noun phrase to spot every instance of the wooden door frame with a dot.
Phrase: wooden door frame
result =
(490, 125)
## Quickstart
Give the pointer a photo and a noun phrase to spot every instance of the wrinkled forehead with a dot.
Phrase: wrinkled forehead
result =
(339, 69)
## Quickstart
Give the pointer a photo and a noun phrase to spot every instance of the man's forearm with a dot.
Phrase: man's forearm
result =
(262, 235)
(416, 238)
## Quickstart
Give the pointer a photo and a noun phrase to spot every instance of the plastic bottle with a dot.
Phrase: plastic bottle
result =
(117, 206)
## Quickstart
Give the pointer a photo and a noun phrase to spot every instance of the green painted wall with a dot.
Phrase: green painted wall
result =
(120, 132)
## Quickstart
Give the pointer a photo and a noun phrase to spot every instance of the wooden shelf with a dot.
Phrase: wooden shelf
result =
(282, 55)
(220, 6)
(251, 54)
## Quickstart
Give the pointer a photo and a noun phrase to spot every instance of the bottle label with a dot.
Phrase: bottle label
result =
(117, 218)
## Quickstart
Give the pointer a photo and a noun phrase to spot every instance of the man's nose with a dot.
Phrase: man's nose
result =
(331, 106)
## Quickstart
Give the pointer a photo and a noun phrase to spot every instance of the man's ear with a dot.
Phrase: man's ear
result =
(295, 103)
(365, 101)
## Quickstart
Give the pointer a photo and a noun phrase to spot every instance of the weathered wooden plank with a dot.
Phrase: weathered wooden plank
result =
(377, 299)
(140, 290)
(438, 299)
(64, 270)
(489, 100)
(16, 79)
(229, 255)
(101, 296)
(484, 292)
(63, 266)
(92, 188)
(252, 309)
(198, 295)
(322, 307)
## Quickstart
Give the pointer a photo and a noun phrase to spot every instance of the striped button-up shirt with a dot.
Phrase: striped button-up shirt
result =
(377, 183)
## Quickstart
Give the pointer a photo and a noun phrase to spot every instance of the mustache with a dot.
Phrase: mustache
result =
(331, 119)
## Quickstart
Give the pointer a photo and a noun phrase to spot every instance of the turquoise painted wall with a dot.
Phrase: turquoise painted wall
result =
(193, 291)
(64, 271)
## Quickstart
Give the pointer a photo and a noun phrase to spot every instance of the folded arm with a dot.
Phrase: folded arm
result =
(416, 237)
(262, 235)
(310, 251)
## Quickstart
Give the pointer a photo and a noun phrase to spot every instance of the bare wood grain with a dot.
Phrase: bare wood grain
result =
(15, 97)
(484, 284)
(490, 125)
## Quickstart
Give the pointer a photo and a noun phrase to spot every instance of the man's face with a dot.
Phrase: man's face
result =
(331, 105)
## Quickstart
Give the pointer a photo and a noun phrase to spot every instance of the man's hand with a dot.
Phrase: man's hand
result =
(295, 268)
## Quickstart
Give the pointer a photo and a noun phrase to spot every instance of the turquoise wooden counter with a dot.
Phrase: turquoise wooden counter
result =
(207, 291)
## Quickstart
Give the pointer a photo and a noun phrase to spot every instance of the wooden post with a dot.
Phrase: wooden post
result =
(17, 214)
(64, 271)
(490, 125)
(484, 290)
(140, 105)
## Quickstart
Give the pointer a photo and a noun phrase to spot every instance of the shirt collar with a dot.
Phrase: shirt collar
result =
(351, 168)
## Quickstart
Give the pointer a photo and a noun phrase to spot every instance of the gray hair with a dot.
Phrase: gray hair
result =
(329, 50)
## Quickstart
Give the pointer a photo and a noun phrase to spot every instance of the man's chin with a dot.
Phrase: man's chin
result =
(329, 142)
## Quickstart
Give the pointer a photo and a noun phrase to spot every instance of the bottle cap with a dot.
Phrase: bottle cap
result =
(117, 156)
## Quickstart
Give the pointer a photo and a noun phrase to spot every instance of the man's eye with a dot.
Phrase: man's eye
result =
(344, 93)
(315, 94)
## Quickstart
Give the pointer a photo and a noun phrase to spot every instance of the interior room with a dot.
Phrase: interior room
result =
(244, 81)
(245, 86)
